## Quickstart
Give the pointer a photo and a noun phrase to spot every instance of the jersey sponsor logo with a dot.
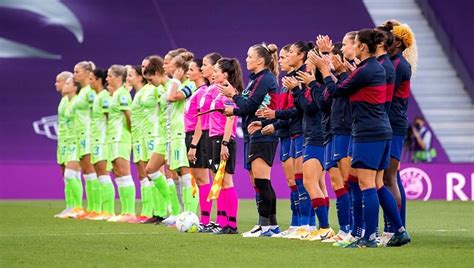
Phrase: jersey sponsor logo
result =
(416, 182)
(123, 101)
(91, 97)
(105, 104)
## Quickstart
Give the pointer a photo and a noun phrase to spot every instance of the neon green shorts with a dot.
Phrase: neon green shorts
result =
(72, 152)
(61, 153)
(100, 152)
(119, 149)
(149, 147)
(139, 151)
(160, 147)
(177, 154)
(84, 146)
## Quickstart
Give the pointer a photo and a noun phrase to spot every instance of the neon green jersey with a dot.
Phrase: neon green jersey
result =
(83, 105)
(117, 129)
(100, 107)
(175, 110)
(70, 119)
(151, 117)
(162, 106)
(137, 117)
(62, 122)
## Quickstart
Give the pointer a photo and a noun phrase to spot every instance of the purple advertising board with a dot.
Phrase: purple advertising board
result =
(421, 181)
(40, 39)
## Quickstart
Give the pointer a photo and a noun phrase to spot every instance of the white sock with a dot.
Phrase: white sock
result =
(145, 182)
(186, 180)
(104, 179)
(125, 181)
(155, 176)
(90, 176)
(69, 173)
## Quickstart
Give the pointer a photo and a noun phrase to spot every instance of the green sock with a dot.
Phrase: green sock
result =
(107, 192)
(159, 206)
(147, 202)
(76, 191)
(130, 198)
(191, 202)
(68, 195)
(121, 198)
(127, 194)
(90, 195)
(163, 192)
(95, 187)
(173, 197)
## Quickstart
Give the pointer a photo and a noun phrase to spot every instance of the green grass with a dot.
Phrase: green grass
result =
(442, 235)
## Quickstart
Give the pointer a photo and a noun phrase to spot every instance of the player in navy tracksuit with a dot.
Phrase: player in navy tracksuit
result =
(261, 91)
(313, 152)
(403, 39)
(297, 56)
(371, 131)
(286, 128)
(382, 191)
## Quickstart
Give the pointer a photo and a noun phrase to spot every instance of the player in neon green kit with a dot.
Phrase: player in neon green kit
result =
(119, 139)
(72, 171)
(151, 125)
(99, 148)
(82, 109)
(155, 74)
(136, 80)
(62, 146)
(178, 160)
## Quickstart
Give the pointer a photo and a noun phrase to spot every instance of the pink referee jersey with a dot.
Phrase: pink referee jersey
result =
(192, 108)
(205, 104)
(217, 119)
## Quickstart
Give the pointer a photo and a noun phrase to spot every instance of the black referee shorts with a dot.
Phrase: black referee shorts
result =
(216, 142)
(202, 160)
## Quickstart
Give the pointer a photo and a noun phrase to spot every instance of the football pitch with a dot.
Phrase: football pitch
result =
(442, 236)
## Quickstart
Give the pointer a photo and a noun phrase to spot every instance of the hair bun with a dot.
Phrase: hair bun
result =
(92, 64)
(272, 48)
(405, 34)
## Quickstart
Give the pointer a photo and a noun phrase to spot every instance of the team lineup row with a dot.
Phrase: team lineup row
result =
(340, 108)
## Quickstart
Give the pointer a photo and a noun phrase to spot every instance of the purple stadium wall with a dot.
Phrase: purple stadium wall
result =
(124, 32)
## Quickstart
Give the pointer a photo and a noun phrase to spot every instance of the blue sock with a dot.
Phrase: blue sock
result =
(294, 199)
(321, 210)
(403, 208)
(387, 224)
(389, 207)
(351, 209)
(312, 218)
(358, 227)
(343, 207)
(305, 203)
(370, 207)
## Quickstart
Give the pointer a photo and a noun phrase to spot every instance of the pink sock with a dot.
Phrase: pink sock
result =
(221, 209)
(232, 206)
(205, 206)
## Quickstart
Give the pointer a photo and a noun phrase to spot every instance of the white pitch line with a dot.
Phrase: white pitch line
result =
(441, 231)
(81, 234)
